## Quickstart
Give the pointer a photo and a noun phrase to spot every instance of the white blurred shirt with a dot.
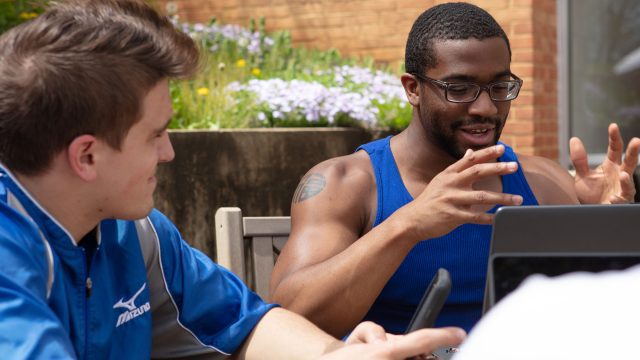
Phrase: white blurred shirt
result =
(574, 316)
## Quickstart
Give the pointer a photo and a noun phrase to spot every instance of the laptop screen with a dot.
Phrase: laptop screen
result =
(510, 271)
(554, 240)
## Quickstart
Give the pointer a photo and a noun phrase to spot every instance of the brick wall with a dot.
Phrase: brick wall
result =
(379, 28)
(531, 27)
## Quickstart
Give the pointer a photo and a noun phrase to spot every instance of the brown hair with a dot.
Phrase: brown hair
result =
(82, 67)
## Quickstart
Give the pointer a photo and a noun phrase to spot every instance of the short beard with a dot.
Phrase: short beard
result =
(445, 140)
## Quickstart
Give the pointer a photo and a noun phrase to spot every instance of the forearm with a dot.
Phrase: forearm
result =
(336, 293)
(282, 334)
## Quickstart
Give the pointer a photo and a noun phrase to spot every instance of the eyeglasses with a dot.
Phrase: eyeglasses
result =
(469, 92)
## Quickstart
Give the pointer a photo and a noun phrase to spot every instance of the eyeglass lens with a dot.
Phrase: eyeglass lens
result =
(501, 91)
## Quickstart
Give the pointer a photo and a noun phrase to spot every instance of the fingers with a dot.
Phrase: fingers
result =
(631, 156)
(482, 197)
(426, 341)
(627, 190)
(479, 171)
(616, 145)
(471, 157)
(479, 218)
(367, 332)
(578, 156)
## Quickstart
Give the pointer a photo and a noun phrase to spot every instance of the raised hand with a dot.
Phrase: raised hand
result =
(612, 181)
(448, 201)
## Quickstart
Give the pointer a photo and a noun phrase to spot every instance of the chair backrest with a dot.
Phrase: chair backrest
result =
(249, 246)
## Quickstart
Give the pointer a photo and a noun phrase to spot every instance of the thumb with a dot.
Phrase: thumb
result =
(367, 332)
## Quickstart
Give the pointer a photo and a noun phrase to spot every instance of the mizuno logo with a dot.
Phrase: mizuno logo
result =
(132, 310)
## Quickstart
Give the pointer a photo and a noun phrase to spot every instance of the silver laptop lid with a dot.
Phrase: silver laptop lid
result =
(553, 240)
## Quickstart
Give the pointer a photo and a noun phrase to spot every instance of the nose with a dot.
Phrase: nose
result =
(483, 105)
(165, 149)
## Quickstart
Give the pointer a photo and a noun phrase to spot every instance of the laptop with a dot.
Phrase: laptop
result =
(554, 240)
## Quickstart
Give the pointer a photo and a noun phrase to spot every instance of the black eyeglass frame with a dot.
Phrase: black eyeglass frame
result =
(445, 85)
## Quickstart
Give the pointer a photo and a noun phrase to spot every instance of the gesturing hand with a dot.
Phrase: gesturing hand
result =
(448, 201)
(612, 181)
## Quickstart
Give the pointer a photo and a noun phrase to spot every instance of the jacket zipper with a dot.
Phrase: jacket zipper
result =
(88, 288)
(87, 292)
(89, 285)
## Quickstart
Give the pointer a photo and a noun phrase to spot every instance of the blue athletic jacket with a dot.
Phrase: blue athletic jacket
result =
(146, 294)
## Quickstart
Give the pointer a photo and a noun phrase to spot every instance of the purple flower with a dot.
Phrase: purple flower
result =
(252, 42)
(310, 101)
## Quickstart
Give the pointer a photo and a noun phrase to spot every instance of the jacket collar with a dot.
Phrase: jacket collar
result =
(19, 198)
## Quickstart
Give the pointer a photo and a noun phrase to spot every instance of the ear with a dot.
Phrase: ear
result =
(81, 154)
(411, 88)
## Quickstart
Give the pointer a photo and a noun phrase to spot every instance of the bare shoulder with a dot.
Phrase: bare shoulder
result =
(350, 173)
(330, 210)
(551, 183)
(337, 197)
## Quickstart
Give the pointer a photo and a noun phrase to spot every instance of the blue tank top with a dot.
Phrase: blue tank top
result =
(464, 252)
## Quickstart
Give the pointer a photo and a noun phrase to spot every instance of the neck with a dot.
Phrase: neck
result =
(413, 150)
(63, 198)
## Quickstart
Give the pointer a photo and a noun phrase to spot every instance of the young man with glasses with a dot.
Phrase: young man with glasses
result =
(369, 230)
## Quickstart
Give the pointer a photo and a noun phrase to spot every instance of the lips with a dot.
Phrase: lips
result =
(480, 135)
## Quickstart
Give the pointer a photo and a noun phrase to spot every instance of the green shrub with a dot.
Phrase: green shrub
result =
(255, 79)
(14, 12)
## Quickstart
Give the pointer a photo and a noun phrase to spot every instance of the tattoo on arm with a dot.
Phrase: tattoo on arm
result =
(310, 186)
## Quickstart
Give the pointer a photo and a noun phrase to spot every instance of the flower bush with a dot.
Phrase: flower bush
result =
(252, 79)
(14, 12)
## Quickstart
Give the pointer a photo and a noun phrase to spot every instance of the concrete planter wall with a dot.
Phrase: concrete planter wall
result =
(256, 170)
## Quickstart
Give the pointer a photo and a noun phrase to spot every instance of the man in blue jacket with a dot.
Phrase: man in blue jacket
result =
(89, 270)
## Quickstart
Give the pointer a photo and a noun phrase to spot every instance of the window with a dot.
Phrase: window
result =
(599, 72)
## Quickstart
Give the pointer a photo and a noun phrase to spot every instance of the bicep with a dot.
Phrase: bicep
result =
(325, 224)
(551, 183)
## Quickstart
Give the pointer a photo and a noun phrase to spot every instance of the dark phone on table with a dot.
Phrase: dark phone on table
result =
(432, 302)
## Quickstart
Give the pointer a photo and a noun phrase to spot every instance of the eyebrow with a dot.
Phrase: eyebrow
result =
(163, 127)
(468, 78)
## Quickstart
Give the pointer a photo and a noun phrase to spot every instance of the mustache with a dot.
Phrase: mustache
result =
(495, 121)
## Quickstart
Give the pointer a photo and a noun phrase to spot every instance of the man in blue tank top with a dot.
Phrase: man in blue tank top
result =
(370, 229)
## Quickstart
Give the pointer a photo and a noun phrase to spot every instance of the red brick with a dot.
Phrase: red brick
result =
(522, 41)
(522, 28)
(524, 141)
(378, 29)
(519, 127)
(522, 55)
(523, 3)
(413, 4)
